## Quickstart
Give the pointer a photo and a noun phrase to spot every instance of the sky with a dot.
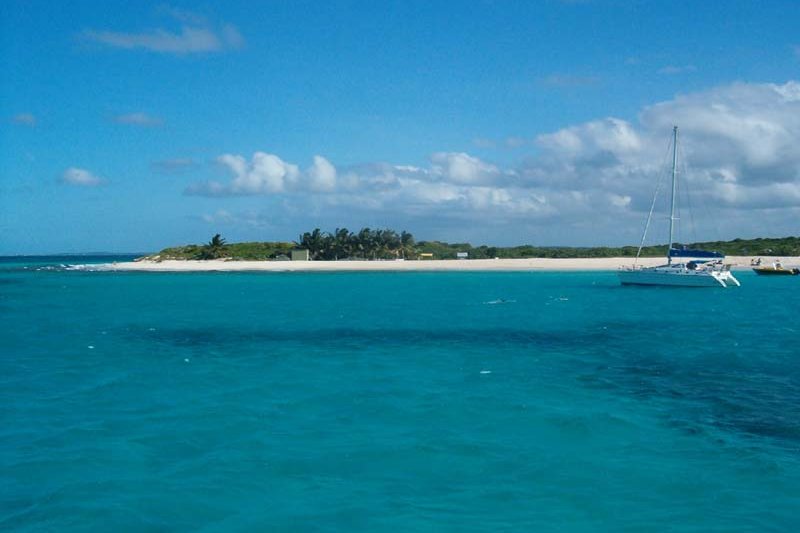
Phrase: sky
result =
(132, 126)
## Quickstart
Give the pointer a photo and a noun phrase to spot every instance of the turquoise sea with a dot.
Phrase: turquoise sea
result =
(444, 402)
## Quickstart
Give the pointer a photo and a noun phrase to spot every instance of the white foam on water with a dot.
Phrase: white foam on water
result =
(97, 267)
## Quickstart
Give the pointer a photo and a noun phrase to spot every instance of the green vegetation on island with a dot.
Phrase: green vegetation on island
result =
(343, 244)
(240, 251)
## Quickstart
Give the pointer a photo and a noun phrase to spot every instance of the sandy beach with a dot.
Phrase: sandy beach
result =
(538, 264)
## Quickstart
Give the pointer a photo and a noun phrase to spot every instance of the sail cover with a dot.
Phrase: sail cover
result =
(699, 254)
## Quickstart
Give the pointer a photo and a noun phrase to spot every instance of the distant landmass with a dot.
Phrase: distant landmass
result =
(343, 244)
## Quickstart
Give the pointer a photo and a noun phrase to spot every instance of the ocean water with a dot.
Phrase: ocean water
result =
(395, 402)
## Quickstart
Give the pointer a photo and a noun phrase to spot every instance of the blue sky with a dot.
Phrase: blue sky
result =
(136, 125)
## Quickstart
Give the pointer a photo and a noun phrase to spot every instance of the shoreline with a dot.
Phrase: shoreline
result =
(436, 265)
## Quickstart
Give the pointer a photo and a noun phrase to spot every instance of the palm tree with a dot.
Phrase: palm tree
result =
(391, 243)
(214, 249)
(342, 243)
(328, 247)
(385, 244)
(407, 244)
(313, 242)
(365, 242)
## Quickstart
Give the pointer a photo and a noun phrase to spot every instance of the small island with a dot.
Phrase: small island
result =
(389, 250)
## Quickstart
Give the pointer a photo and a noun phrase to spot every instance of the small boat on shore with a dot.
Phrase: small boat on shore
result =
(775, 269)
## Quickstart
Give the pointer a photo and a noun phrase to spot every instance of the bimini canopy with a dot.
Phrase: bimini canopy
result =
(698, 254)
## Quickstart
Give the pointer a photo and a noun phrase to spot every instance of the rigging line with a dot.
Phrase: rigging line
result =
(652, 205)
(678, 200)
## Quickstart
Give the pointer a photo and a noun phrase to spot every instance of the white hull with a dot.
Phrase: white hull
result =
(677, 277)
(705, 269)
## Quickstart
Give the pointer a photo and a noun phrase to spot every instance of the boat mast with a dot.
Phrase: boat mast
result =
(674, 185)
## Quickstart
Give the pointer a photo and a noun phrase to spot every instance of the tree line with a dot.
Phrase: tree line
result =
(365, 244)
(389, 244)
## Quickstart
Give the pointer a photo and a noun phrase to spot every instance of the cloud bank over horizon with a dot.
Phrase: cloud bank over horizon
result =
(740, 143)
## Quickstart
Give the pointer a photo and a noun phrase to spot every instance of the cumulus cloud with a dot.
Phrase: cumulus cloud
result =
(268, 174)
(740, 142)
(752, 129)
(265, 173)
(80, 177)
(322, 175)
(194, 35)
(138, 119)
(601, 136)
(452, 180)
(458, 167)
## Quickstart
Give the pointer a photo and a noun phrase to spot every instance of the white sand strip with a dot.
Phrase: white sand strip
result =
(539, 264)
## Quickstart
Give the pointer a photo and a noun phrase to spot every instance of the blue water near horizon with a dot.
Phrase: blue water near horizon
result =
(461, 401)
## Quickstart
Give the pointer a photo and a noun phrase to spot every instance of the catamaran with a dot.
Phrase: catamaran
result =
(684, 268)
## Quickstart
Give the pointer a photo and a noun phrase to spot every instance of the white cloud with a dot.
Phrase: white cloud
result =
(195, 35)
(589, 181)
(458, 167)
(263, 174)
(322, 175)
(455, 180)
(750, 127)
(772, 195)
(740, 142)
(80, 177)
(608, 135)
(619, 200)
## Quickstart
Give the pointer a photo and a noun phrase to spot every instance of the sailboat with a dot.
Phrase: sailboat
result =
(684, 268)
